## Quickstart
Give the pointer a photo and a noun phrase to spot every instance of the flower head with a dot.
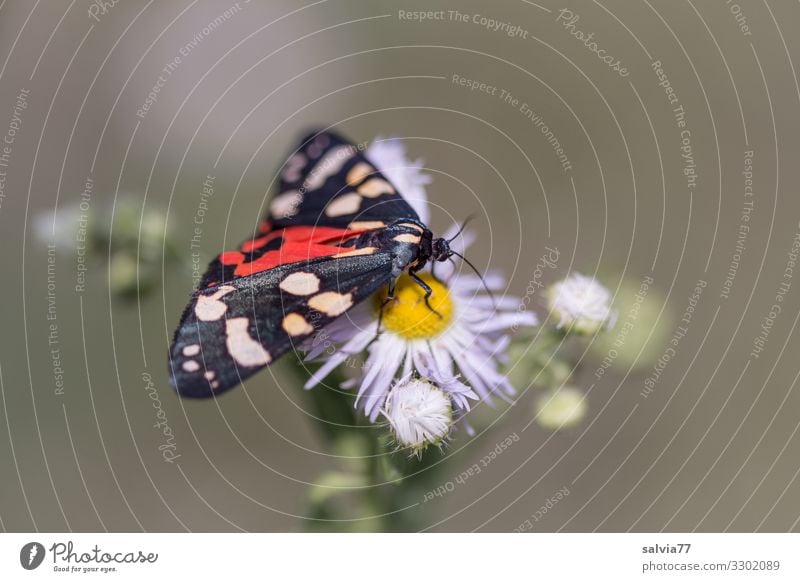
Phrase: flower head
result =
(419, 413)
(561, 409)
(465, 340)
(408, 316)
(581, 304)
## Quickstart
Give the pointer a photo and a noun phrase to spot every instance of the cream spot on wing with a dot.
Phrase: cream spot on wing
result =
(300, 283)
(358, 172)
(291, 172)
(314, 151)
(356, 252)
(191, 366)
(407, 237)
(328, 165)
(215, 384)
(286, 204)
(412, 225)
(209, 307)
(331, 303)
(210, 374)
(191, 350)
(375, 187)
(242, 348)
(295, 324)
(366, 224)
(343, 205)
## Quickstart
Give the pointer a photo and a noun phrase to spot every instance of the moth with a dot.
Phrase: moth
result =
(336, 232)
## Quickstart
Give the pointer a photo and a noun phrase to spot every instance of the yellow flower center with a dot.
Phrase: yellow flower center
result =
(408, 316)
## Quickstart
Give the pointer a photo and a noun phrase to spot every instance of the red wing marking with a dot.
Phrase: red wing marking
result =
(318, 234)
(312, 234)
(290, 252)
(257, 243)
(300, 243)
(231, 258)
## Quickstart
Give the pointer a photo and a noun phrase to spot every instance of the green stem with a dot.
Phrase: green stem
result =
(393, 480)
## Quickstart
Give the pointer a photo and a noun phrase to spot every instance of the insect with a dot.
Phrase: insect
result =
(336, 232)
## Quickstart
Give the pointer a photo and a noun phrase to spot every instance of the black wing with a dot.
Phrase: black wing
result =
(328, 181)
(325, 176)
(232, 330)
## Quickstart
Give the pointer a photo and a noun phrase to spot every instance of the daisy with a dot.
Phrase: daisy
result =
(455, 354)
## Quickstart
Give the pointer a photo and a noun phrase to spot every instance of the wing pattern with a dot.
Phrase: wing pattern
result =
(329, 181)
(232, 330)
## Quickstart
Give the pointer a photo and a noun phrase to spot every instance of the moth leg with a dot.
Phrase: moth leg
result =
(389, 298)
(428, 292)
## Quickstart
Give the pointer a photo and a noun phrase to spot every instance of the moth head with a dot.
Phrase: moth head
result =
(441, 249)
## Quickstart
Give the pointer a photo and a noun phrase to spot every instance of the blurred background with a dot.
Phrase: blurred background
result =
(649, 142)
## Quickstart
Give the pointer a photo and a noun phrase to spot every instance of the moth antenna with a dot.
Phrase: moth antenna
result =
(463, 226)
(478, 273)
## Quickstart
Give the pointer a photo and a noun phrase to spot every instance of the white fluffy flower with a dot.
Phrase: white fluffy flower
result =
(419, 413)
(580, 304)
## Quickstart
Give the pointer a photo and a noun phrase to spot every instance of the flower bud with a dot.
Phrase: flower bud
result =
(420, 414)
(580, 304)
(561, 409)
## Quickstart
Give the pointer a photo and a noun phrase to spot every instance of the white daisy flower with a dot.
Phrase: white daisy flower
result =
(581, 304)
(467, 341)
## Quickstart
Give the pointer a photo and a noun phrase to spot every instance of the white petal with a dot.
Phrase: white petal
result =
(443, 359)
(474, 379)
(508, 320)
(355, 346)
(389, 156)
(382, 366)
(467, 282)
